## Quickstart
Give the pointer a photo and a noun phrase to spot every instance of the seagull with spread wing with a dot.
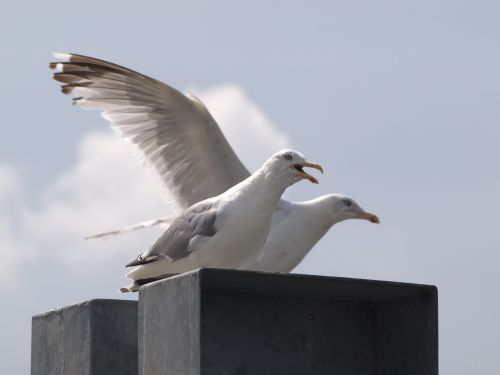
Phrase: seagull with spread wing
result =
(183, 145)
(226, 231)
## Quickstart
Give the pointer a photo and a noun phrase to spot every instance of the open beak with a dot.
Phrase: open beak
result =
(299, 168)
(370, 217)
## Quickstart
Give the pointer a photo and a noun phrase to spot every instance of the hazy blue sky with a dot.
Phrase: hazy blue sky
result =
(398, 100)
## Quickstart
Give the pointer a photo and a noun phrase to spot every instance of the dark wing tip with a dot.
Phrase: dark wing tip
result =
(135, 262)
(66, 89)
(77, 99)
(140, 260)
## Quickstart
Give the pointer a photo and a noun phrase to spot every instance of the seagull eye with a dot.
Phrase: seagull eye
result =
(288, 156)
(347, 202)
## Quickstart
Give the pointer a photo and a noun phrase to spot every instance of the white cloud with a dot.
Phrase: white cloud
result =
(250, 132)
(8, 182)
(13, 248)
(105, 189)
(108, 189)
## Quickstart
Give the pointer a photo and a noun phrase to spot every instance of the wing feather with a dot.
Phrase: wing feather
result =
(174, 133)
(173, 244)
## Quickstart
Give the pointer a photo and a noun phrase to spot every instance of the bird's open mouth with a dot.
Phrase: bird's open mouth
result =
(299, 168)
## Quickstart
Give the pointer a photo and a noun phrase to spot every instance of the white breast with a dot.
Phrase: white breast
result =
(293, 233)
(239, 239)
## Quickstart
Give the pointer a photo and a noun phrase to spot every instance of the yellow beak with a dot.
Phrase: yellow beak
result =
(298, 167)
(370, 217)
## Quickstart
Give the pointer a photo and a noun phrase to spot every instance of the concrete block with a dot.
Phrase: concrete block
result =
(96, 337)
(237, 322)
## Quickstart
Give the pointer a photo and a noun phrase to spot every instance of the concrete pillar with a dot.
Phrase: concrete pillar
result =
(234, 322)
(96, 337)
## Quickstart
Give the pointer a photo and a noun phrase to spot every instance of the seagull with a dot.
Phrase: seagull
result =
(225, 231)
(298, 226)
(187, 153)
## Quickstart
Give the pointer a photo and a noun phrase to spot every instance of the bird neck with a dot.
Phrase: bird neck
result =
(262, 184)
(320, 212)
(311, 215)
(265, 181)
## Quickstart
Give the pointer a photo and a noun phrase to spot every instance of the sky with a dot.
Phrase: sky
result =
(397, 100)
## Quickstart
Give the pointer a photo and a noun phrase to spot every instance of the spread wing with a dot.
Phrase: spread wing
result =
(174, 133)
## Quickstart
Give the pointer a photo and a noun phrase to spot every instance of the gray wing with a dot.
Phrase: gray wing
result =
(198, 220)
(174, 134)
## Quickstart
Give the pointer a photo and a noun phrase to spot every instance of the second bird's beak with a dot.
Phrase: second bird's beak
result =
(370, 217)
(298, 167)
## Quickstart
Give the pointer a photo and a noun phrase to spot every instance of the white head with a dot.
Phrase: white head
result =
(342, 207)
(288, 166)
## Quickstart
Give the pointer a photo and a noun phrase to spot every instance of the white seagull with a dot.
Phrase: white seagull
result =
(226, 231)
(178, 138)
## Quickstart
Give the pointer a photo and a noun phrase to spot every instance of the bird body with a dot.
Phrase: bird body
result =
(288, 233)
(226, 231)
(289, 220)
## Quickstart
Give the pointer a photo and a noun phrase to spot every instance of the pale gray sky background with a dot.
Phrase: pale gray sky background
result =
(398, 100)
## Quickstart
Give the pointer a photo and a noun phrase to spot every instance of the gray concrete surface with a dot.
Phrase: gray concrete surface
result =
(96, 337)
(243, 323)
